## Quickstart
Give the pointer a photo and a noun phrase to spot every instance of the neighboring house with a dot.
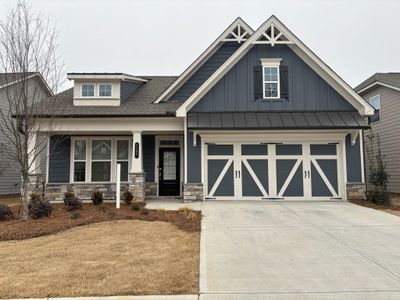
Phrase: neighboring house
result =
(257, 116)
(9, 168)
(382, 90)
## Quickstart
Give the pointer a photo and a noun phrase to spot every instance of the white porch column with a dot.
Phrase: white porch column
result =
(137, 155)
(136, 174)
(33, 162)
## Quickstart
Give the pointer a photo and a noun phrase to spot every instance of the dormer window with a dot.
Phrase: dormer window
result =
(87, 90)
(105, 90)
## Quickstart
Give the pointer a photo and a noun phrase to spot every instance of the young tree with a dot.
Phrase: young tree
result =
(29, 61)
(377, 178)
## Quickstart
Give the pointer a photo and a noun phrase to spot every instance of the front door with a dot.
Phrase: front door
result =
(169, 172)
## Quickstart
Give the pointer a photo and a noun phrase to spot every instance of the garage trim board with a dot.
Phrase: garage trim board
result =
(242, 168)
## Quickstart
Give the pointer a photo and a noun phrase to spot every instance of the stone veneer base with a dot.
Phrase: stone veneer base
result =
(193, 192)
(355, 190)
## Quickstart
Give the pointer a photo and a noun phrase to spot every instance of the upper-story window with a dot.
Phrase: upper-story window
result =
(105, 90)
(376, 103)
(87, 90)
(271, 80)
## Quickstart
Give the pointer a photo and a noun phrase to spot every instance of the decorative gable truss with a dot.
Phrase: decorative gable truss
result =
(238, 34)
(271, 36)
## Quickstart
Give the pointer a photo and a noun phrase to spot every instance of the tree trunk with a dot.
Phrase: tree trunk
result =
(25, 198)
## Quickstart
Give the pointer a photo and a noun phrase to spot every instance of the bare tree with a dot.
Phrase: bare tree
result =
(28, 58)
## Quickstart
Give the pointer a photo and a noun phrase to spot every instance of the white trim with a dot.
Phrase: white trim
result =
(29, 77)
(299, 48)
(100, 101)
(182, 167)
(47, 158)
(123, 77)
(88, 160)
(380, 108)
(202, 58)
(378, 83)
(361, 142)
(278, 80)
(105, 83)
(81, 90)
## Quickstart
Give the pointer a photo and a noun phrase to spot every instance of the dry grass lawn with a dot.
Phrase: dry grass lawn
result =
(128, 257)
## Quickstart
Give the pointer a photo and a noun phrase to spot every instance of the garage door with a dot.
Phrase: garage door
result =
(295, 171)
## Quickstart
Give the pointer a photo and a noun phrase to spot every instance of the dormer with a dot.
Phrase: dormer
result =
(103, 89)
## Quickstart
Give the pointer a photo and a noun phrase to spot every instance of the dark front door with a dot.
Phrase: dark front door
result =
(169, 175)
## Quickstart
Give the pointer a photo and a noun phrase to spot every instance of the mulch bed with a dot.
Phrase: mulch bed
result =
(375, 206)
(61, 219)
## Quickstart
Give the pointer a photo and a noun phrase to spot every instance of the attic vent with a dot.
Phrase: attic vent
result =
(273, 36)
(238, 34)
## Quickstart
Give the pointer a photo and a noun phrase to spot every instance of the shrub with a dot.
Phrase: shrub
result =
(35, 196)
(97, 197)
(75, 215)
(40, 208)
(144, 211)
(5, 212)
(378, 177)
(185, 210)
(135, 207)
(128, 197)
(71, 202)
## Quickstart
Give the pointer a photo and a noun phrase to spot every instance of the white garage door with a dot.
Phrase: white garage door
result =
(295, 171)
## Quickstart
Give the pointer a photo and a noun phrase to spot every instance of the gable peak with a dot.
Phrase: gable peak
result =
(238, 32)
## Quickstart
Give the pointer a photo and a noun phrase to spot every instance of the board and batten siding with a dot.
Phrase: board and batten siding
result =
(388, 129)
(205, 71)
(234, 92)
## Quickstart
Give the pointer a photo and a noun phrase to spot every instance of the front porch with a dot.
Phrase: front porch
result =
(81, 159)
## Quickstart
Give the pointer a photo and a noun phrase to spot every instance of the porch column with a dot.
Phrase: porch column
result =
(136, 174)
(34, 177)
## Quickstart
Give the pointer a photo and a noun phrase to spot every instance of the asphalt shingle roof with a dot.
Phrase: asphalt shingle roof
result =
(387, 78)
(138, 104)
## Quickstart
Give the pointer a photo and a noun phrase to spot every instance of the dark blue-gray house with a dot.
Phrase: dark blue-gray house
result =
(257, 116)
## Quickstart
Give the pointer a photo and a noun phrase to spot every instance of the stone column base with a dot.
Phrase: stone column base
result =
(355, 190)
(137, 185)
(34, 183)
(193, 192)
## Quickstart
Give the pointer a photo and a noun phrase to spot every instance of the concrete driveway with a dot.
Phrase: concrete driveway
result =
(335, 250)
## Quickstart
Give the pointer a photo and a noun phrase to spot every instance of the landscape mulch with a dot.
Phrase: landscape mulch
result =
(61, 219)
(393, 208)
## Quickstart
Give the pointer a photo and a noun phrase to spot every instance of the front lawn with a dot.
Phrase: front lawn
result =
(125, 257)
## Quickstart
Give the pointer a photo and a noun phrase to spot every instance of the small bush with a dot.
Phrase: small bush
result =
(102, 207)
(97, 197)
(5, 212)
(40, 208)
(75, 215)
(128, 197)
(35, 196)
(135, 207)
(71, 202)
(185, 210)
(144, 211)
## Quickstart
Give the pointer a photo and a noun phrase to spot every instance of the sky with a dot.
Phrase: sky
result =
(163, 37)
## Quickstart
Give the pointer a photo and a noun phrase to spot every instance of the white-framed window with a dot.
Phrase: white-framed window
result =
(95, 159)
(87, 90)
(271, 78)
(105, 90)
(79, 160)
(101, 160)
(375, 101)
(123, 158)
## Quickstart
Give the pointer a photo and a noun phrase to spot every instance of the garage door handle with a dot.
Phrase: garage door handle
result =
(239, 174)
(305, 174)
(236, 174)
(308, 174)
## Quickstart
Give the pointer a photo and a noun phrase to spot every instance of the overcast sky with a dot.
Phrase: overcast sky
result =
(162, 37)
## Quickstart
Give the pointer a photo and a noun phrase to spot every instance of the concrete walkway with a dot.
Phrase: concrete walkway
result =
(332, 250)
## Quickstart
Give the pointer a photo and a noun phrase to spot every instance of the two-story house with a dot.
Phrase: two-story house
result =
(256, 116)
(10, 178)
(382, 90)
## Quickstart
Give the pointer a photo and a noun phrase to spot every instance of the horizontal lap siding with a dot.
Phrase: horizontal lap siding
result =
(389, 132)
(307, 90)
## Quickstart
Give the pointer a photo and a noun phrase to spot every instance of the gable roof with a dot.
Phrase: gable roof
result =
(139, 104)
(7, 79)
(238, 31)
(390, 80)
(274, 32)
